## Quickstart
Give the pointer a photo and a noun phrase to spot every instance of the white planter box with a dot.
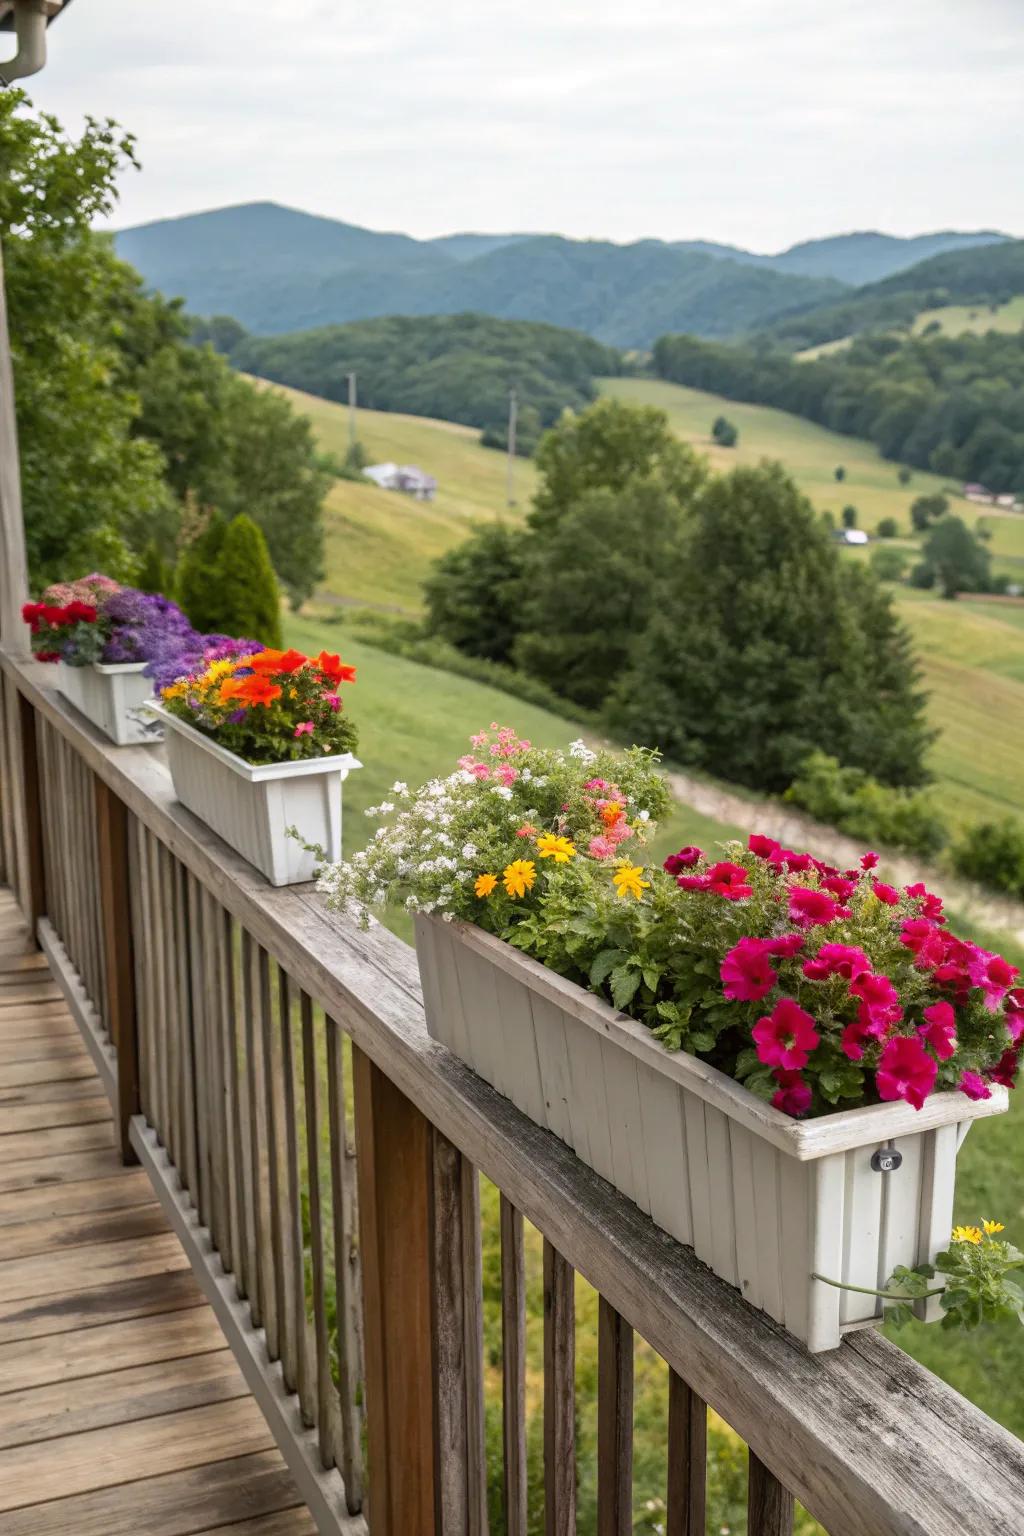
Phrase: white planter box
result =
(766, 1201)
(251, 808)
(112, 698)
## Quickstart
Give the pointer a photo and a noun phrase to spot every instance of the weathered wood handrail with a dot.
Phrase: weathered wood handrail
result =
(869, 1442)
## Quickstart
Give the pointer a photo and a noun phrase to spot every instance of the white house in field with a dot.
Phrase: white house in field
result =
(403, 477)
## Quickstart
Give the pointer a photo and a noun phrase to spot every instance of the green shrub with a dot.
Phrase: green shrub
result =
(923, 576)
(248, 596)
(198, 578)
(992, 852)
(888, 528)
(850, 799)
(888, 564)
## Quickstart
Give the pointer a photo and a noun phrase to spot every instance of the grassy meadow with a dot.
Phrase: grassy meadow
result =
(951, 319)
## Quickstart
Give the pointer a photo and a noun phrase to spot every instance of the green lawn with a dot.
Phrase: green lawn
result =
(952, 320)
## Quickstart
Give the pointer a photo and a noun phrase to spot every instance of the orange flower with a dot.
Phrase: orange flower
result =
(334, 669)
(610, 812)
(276, 661)
(250, 690)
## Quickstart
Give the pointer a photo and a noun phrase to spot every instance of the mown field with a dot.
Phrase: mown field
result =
(951, 319)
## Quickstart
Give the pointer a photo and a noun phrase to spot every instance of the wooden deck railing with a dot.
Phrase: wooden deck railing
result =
(321, 1157)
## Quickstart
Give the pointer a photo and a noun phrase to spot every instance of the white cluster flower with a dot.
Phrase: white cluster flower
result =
(581, 751)
(501, 791)
(469, 851)
(644, 815)
(386, 807)
(398, 788)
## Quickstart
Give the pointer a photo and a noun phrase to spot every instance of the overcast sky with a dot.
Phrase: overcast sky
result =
(759, 122)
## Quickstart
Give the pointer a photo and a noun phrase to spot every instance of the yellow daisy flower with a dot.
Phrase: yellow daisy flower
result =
(218, 670)
(967, 1234)
(519, 876)
(485, 884)
(558, 848)
(992, 1227)
(628, 882)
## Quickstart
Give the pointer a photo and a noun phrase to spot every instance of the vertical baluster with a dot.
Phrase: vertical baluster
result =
(119, 912)
(250, 1203)
(159, 1015)
(90, 865)
(139, 872)
(513, 1358)
(69, 863)
(301, 1377)
(348, 1303)
(559, 1395)
(687, 1460)
(260, 1290)
(216, 1108)
(204, 1030)
(189, 1022)
(28, 812)
(614, 1423)
(325, 1395)
(267, 1165)
(229, 1067)
(172, 1010)
(770, 1507)
(274, 1097)
(51, 863)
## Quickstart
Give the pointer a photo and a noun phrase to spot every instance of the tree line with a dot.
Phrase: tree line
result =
(953, 405)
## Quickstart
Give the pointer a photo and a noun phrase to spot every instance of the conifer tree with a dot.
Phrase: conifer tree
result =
(248, 594)
(198, 583)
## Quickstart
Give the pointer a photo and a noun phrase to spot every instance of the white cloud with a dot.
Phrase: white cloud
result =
(756, 121)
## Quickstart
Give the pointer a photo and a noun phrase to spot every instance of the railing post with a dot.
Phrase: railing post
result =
(770, 1507)
(116, 928)
(31, 876)
(13, 569)
(393, 1160)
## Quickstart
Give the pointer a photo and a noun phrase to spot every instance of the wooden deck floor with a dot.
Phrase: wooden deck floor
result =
(121, 1408)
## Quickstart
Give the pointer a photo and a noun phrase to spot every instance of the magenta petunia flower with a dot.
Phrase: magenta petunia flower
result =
(1005, 1069)
(686, 858)
(729, 880)
(974, 1086)
(869, 861)
(812, 908)
(794, 1095)
(786, 945)
(763, 847)
(838, 887)
(745, 972)
(887, 893)
(939, 1029)
(836, 960)
(785, 1037)
(879, 1002)
(905, 1071)
(931, 905)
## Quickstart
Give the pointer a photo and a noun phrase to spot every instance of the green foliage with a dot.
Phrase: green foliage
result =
(197, 579)
(954, 405)
(922, 576)
(977, 1269)
(840, 472)
(473, 594)
(222, 332)
(960, 563)
(904, 475)
(760, 646)
(155, 574)
(888, 564)
(850, 799)
(849, 517)
(888, 528)
(249, 601)
(992, 852)
(724, 433)
(460, 367)
(925, 510)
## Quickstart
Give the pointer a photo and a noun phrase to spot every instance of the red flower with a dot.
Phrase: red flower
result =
(1005, 1069)
(887, 893)
(869, 860)
(905, 1071)
(794, 1095)
(974, 1086)
(47, 655)
(276, 661)
(786, 1037)
(812, 908)
(692, 882)
(334, 669)
(880, 1002)
(925, 941)
(729, 880)
(80, 613)
(841, 889)
(745, 972)
(852, 1042)
(836, 960)
(763, 847)
(931, 905)
(939, 1029)
(684, 859)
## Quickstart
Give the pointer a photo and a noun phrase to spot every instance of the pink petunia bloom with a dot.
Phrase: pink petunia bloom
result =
(332, 701)
(729, 880)
(745, 972)
(304, 728)
(619, 831)
(925, 941)
(1005, 1069)
(931, 905)
(869, 860)
(506, 774)
(853, 1038)
(836, 886)
(693, 882)
(879, 1001)
(1015, 1013)
(793, 1096)
(796, 862)
(905, 1071)
(684, 859)
(785, 1037)
(600, 848)
(479, 740)
(763, 847)
(785, 946)
(974, 1086)
(812, 908)
(939, 1029)
(836, 960)
(470, 765)
(999, 978)
(887, 893)
(596, 784)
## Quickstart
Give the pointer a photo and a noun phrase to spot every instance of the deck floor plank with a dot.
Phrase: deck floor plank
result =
(121, 1408)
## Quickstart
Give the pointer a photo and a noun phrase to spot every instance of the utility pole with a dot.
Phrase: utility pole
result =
(510, 493)
(351, 412)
